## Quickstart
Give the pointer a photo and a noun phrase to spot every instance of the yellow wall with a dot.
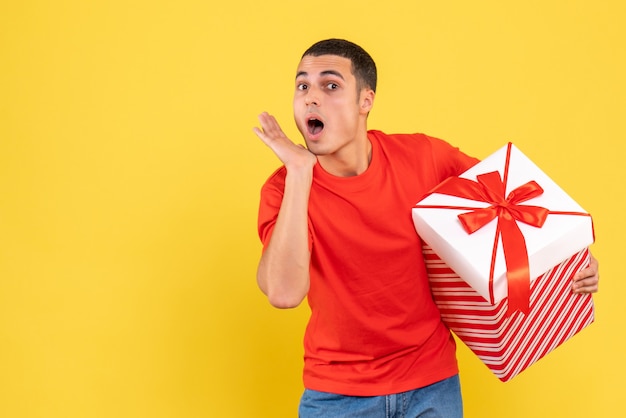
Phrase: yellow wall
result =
(129, 178)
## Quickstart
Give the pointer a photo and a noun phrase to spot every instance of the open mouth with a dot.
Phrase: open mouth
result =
(315, 126)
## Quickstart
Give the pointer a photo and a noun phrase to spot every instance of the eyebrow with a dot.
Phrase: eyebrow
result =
(327, 72)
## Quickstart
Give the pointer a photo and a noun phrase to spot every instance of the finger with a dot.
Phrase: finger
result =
(273, 136)
(585, 286)
(590, 271)
(259, 133)
(270, 131)
(584, 273)
(270, 126)
(589, 285)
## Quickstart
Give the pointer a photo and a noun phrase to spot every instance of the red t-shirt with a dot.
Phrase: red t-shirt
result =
(374, 328)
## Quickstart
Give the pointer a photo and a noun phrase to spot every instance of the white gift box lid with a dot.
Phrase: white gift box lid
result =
(470, 255)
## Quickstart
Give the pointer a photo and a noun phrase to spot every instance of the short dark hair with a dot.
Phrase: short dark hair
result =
(363, 66)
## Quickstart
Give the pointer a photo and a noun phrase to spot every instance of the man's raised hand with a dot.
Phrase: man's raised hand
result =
(289, 153)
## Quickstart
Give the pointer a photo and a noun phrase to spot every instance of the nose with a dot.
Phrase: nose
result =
(311, 101)
(311, 98)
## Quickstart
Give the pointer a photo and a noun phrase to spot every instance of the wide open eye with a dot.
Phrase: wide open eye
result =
(301, 86)
(332, 86)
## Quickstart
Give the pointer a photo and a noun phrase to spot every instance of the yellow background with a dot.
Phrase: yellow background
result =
(129, 179)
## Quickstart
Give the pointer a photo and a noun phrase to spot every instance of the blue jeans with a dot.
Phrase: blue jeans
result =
(439, 400)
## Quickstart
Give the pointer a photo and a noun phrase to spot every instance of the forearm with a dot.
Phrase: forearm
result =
(283, 273)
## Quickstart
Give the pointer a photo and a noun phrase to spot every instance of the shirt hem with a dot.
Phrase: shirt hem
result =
(377, 389)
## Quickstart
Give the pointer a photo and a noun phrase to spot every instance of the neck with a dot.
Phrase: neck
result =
(349, 161)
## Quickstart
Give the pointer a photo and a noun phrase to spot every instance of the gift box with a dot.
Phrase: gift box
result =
(508, 344)
(511, 241)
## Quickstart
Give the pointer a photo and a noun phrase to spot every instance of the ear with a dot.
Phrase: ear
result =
(366, 101)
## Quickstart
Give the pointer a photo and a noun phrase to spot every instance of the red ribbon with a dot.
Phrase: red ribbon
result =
(491, 189)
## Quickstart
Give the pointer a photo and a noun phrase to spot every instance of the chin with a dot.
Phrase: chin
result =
(313, 147)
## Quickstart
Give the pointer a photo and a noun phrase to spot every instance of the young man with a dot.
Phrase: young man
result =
(335, 221)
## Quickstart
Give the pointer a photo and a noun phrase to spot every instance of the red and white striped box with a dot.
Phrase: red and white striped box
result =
(508, 344)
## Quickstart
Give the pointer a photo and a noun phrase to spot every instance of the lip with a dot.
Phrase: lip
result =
(307, 125)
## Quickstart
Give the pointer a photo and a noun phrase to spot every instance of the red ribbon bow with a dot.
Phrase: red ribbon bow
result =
(491, 189)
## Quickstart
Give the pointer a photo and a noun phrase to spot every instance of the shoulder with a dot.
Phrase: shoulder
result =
(428, 152)
(276, 179)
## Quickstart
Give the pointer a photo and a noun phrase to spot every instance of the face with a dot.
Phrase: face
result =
(329, 111)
